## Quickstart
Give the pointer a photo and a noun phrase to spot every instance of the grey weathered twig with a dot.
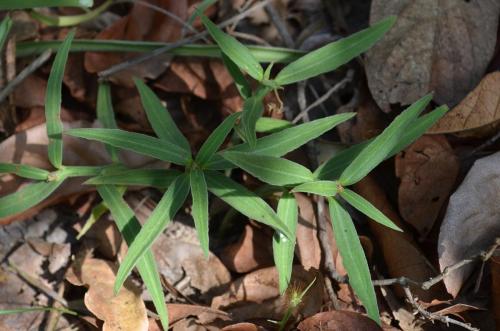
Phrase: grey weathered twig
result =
(280, 25)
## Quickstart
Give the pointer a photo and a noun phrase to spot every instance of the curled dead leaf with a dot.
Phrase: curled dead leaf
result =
(338, 320)
(441, 46)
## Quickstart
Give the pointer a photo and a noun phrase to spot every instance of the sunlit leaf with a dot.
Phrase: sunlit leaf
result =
(161, 178)
(325, 188)
(24, 171)
(199, 194)
(106, 115)
(270, 125)
(239, 79)
(252, 111)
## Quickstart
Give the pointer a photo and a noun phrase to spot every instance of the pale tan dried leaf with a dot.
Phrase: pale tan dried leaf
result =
(441, 46)
(308, 249)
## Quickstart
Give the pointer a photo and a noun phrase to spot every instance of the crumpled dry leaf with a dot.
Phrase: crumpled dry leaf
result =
(441, 46)
(259, 293)
(308, 249)
(427, 169)
(471, 221)
(124, 311)
(338, 320)
(177, 311)
(243, 327)
(479, 109)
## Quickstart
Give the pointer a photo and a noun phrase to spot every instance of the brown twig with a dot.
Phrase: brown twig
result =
(275, 18)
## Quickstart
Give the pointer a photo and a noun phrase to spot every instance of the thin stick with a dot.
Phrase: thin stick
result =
(279, 24)
(105, 74)
(33, 66)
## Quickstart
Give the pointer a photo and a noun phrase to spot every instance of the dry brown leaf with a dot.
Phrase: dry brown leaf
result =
(250, 252)
(442, 46)
(401, 253)
(479, 109)
(338, 320)
(471, 221)
(495, 286)
(243, 327)
(177, 312)
(308, 249)
(427, 170)
(124, 311)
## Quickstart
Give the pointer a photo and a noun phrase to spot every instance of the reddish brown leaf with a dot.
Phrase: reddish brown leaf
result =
(308, 248)
(338, 320)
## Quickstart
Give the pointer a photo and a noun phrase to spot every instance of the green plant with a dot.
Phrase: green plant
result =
(260, 157)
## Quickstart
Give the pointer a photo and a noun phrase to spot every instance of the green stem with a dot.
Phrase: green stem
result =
(71, 19)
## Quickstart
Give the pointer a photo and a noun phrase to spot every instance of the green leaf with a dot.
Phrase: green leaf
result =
(379, 149)
(364, 206)
(353, 258)
(24, 171)
(252, 111)
(270, 125)
(53, 102)
(165, 211)
(246, 202)
(28, 4)
(239, 79)
(136, 142)
(27, 197)
(283, 248)
(129, 226)
(325, 188)
(285, 141)
(71, 20)
(159, 117)
(161, 178)
(235, 50)
(333, 55)
(201, 7)
(106, 115)
(215, 140)
(270, 169)
(199, 194)
(4, 30)
(332, 169)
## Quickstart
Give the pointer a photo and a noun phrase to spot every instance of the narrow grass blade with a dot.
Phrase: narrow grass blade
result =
(283, 248)
(261, 53)
(235, 50)
(199, 194)
(129, 226)
(333, 55)
(24, 171)
(159, 117)
(106, 115)
(27, 197)
(271, 125)
(252, 111)
(215, 140)
(239, 79)
(35, 309)
(4, 30)
(379, 149)
(166, 209)
(364, 206)
(136, 142)
(324, 188)
(95, 214)
(160, 178)
(71, 20)
(333, 168)
(29, 4)
(246, 202)
(353, 258)
(201, 7)
(53, 102)
(270, 169)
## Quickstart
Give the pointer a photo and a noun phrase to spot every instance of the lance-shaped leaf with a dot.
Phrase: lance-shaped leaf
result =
(106, 115)
(28, 196)
(252, 111)
(53, 102)
(215, 140)
(333, 55)
(165, 211)
(378, 149)
(159, 117)
(246, 202)
(353, 258)
(283, 247)
(235, 50)
(239, 79)
(4, 30)
(364, 206)
(326, 188)
(270, 125)
(24, 171)
(284, 141)
(29, 4)
(199, 193)
(129, 226)
(332, 169)
(136, 142)
(161, 178)
(270, 169)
